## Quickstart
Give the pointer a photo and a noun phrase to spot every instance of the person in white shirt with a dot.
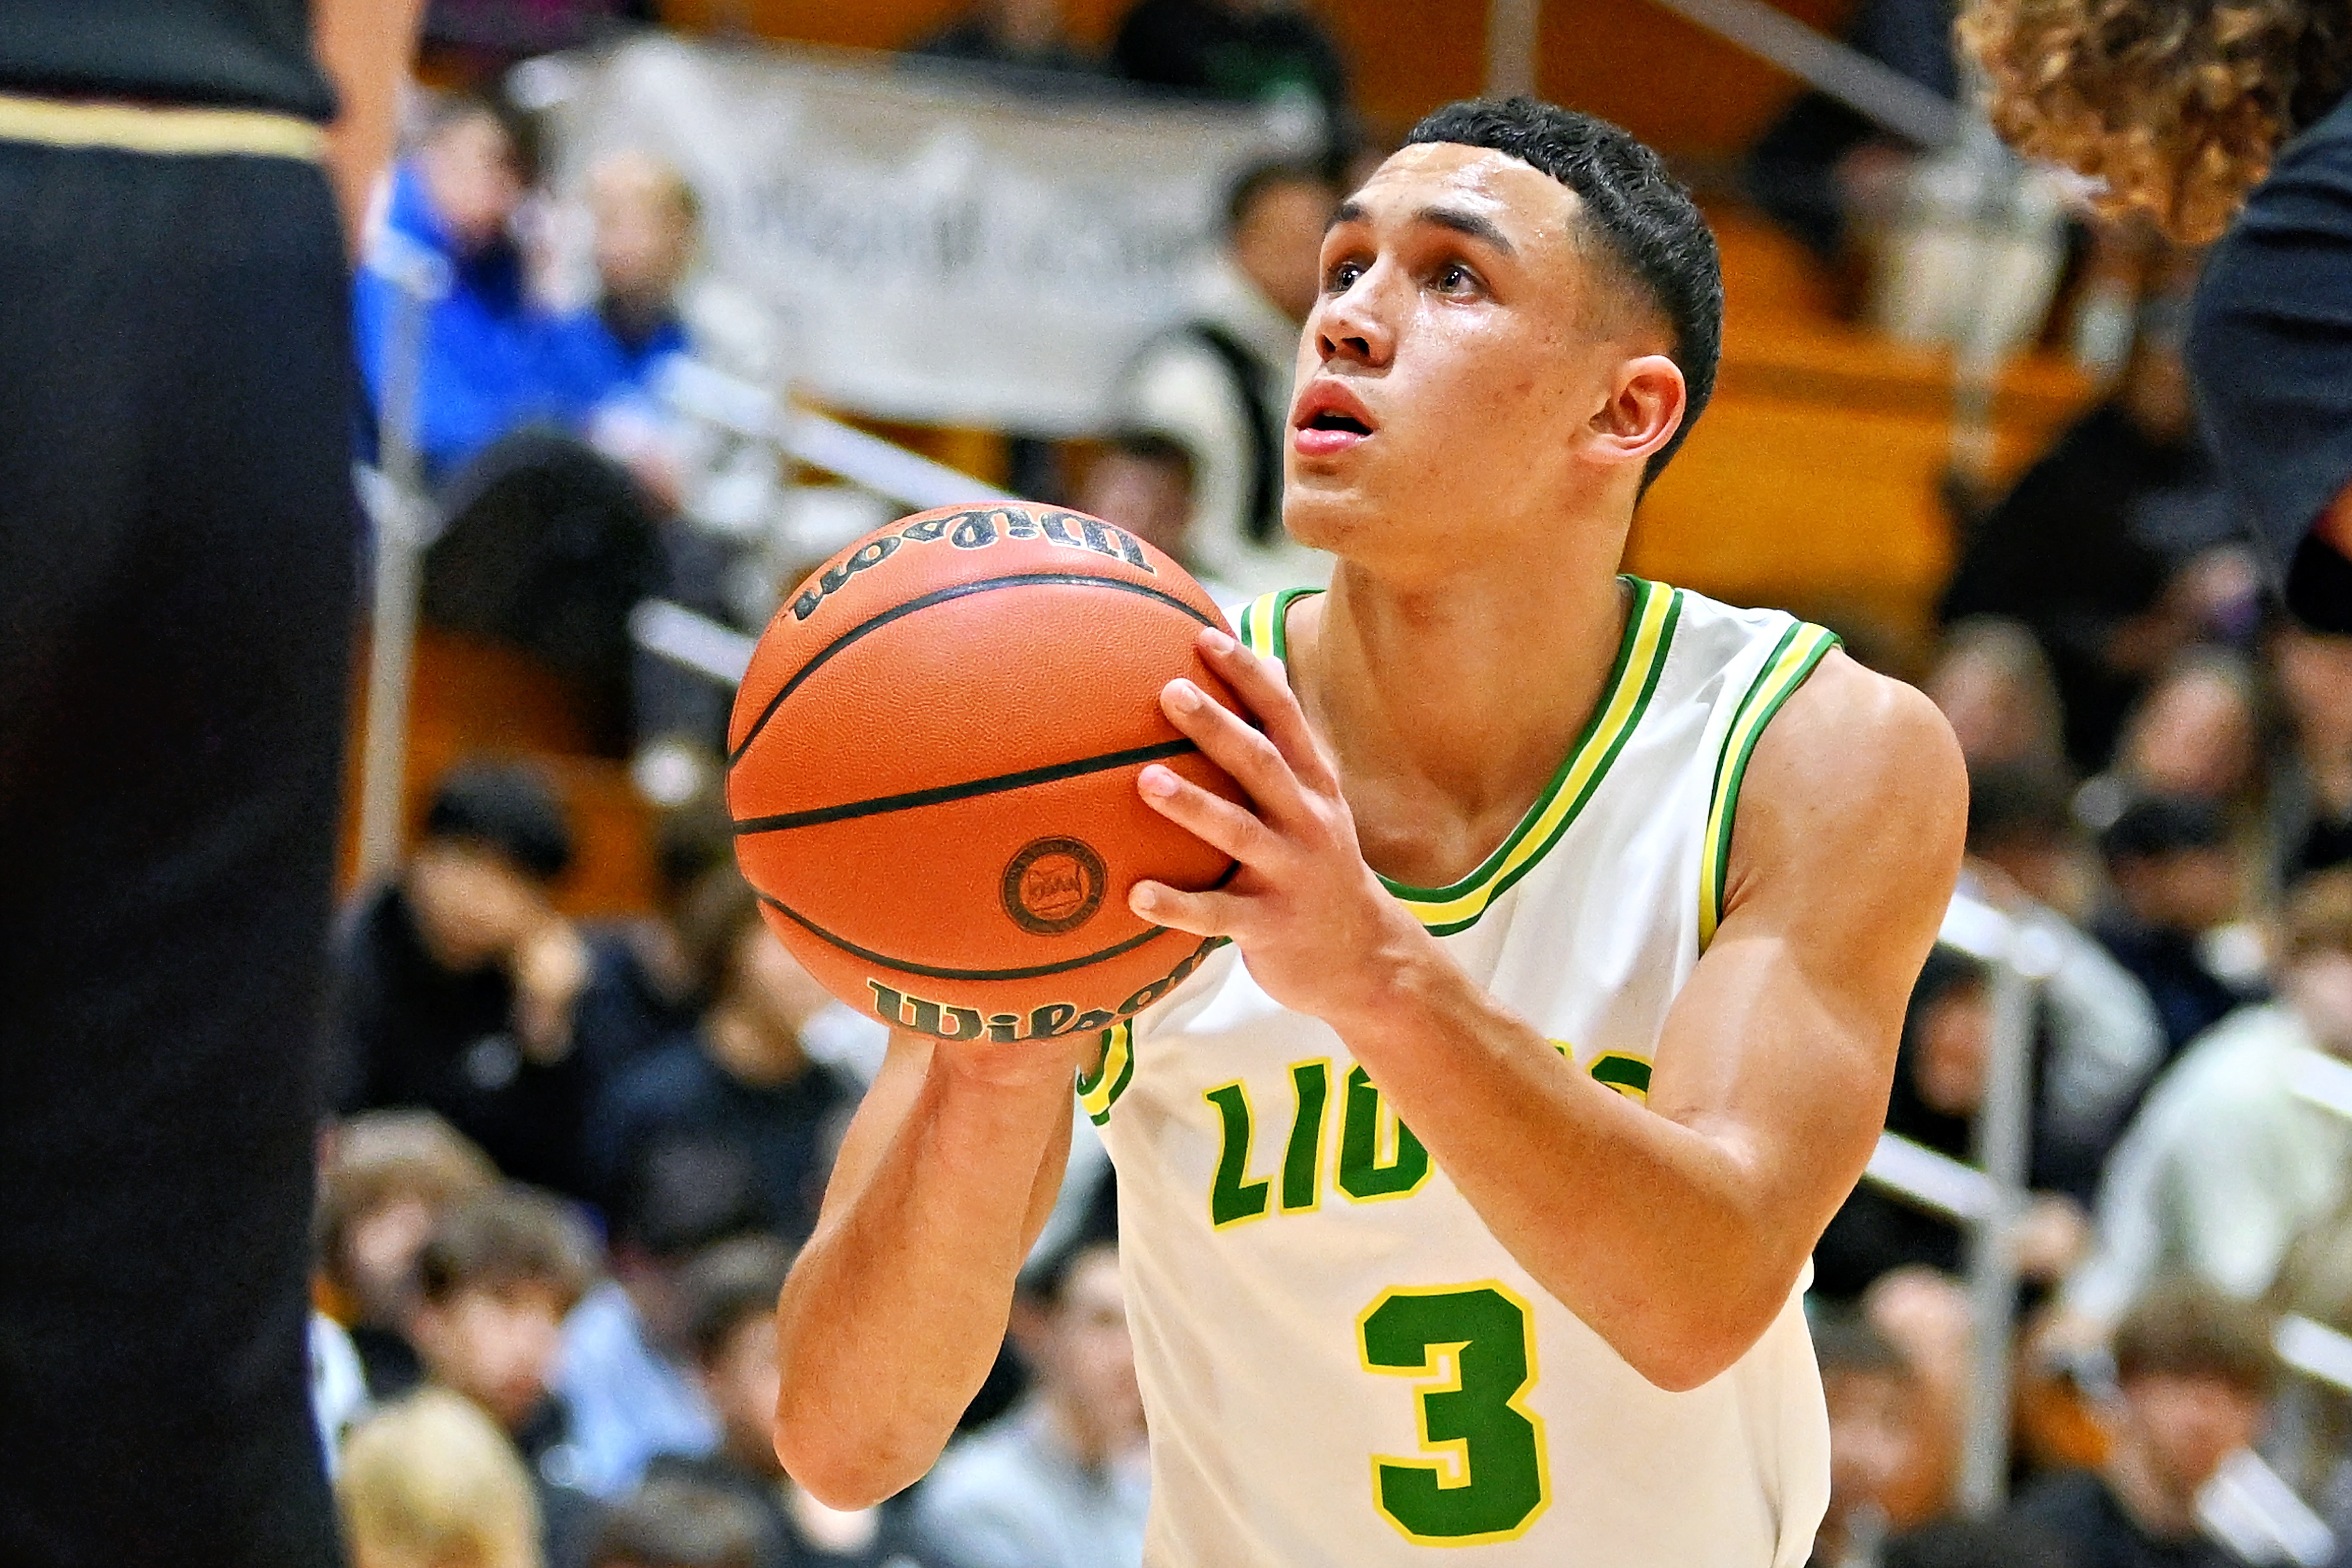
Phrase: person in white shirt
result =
(2229, 1160)
(1219, 386)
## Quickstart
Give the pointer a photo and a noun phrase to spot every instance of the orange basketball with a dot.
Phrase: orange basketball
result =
(932, 765)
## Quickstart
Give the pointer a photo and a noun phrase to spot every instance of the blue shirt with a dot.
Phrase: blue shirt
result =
(629, 1402)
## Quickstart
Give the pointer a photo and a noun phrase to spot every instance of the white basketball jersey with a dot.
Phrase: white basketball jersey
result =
(1342, 1366)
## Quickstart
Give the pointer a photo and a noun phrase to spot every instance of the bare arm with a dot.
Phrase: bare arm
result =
(894, 1313)
(1676, 1231)
(365, 47)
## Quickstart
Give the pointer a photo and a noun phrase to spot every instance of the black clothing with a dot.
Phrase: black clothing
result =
(388, 1362)
(569, 1518)
(974, 40)
(246, 54)
(788, 1131)
(1791, 171)
(1201, 47)
(550, 545)
(2077, 548)
(177, 542)
(2079, 1515)
(2189, 998)
(782, 1542)
(409, 1032)
(2271, 353)
(625, 1014)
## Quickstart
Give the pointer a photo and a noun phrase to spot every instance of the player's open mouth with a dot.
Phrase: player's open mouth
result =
(1329, 419)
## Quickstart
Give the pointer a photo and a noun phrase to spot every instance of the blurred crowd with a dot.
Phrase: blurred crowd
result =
(571, 1160)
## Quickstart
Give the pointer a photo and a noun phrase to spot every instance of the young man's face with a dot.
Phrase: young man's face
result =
(742, 1382)
(2190, 1424)
(475, 178)
(495, 1346)
(1466, 370)
(1087, 1351)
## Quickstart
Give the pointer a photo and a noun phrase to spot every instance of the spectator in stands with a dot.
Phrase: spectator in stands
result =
(2102, 1039)
(1822, 162)
(1973, 1543)
(1941, 1068)
(495, 1279)
(1143, 483)
(430, 1482)
(2085, 547)
(1883, 1466)
(456, 984)
(1244, 50)
(745, 1078)
(676, 1524)
(1014, 35)
(1062, 1480)
(730, 1294)
(484, 369)
(2193, 1373)
(2226, 1164)
(2313, 806)
(645, 219)
(2197, 732)
(626, 1372)
(387, 1180)
(642, 985)
(1994, 686)
(2176, 882)
(1220, 385)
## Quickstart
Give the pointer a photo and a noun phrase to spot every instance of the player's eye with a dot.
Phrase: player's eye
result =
(1453, 277)
(1342, 277)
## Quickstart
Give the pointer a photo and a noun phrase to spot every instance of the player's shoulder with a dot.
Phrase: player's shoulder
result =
(1854, 753)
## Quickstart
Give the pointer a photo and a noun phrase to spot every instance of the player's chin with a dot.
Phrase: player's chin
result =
(1320, 506)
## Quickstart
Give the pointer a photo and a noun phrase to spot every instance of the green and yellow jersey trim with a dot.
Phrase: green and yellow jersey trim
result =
(1098, 1091)
(1641, 660)
(1801, 648)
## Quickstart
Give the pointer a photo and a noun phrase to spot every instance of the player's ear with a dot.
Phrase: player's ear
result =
(1643, 409)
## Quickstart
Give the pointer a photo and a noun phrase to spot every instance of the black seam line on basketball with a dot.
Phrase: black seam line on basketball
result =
(941, 596)
(930, 972)
(818, 815)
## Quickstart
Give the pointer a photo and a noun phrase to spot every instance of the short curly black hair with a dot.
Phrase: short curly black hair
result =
(1643, 218)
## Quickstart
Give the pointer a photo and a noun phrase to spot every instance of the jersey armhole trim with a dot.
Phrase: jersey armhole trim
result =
(1801, 649)
(1100, 1090)
(1265, 627)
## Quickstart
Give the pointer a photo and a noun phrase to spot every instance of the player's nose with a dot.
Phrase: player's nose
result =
(1355, 326)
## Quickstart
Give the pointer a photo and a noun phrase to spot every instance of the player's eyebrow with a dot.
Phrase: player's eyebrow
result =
(1465, 223)
(1455, 218)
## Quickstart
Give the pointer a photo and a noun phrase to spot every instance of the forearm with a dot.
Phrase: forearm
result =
(896, 1309)
(365, 47)
(1659, 1235)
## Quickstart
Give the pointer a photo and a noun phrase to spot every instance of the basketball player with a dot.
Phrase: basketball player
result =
(1467, 1194)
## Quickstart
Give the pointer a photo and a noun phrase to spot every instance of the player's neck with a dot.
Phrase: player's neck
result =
(1452, 705)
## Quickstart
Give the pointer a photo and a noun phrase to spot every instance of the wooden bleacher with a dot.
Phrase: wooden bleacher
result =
(1814, 479)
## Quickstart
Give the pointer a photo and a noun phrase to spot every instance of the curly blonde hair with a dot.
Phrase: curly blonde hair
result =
(2176, 106)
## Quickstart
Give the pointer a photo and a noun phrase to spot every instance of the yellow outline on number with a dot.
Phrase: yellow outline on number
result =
(1453, 1454)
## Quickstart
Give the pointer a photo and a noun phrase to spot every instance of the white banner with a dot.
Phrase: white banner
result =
(932, 248)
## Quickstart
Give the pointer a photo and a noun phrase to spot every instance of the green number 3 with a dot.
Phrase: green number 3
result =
(1473, 1344)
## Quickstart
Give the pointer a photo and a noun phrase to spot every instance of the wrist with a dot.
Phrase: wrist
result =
(1403, 978)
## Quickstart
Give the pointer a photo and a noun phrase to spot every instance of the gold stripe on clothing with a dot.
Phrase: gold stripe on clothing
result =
(171, 129)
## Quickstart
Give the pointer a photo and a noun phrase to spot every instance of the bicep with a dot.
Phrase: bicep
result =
(1844, 852)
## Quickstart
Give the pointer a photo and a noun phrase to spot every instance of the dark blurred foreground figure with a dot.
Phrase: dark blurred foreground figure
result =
(2189, 111)
(176, 551)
